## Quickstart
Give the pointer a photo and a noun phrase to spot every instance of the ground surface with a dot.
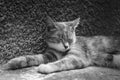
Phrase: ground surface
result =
(91, 73)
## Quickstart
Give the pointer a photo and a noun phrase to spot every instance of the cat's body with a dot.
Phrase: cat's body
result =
(66, 51)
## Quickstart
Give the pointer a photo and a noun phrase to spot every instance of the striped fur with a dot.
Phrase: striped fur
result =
(67, 51)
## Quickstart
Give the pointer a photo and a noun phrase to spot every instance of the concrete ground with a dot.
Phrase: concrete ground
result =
(90, 73)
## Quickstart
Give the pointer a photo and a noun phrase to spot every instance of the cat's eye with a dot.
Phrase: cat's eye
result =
(61, 36)
(70, 40)
(58, 35)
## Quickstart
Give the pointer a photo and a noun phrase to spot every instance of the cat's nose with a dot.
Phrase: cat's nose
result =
(66, 47)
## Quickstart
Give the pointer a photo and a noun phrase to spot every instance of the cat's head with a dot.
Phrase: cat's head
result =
(62, 34)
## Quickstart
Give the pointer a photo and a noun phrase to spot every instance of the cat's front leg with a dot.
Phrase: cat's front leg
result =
(24, 61)
(67, 63)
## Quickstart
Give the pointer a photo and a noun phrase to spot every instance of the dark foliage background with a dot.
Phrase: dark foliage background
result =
(23, 22)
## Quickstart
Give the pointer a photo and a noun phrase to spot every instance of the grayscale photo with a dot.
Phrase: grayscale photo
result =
(59, 40)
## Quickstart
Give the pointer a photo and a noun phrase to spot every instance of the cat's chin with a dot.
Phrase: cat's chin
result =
(57, 46)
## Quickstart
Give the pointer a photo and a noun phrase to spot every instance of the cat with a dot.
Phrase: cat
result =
(66, 51)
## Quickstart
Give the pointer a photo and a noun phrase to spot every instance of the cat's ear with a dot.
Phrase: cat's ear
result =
(53, 24)
(76, 22)
(50, 21)
(73, 23)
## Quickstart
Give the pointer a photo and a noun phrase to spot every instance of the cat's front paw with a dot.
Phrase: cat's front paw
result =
(15, 63)
(45, 68)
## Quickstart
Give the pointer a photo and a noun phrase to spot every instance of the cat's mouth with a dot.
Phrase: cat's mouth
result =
(66, 46)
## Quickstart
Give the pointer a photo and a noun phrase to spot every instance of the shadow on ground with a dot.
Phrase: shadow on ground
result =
(90, 73)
